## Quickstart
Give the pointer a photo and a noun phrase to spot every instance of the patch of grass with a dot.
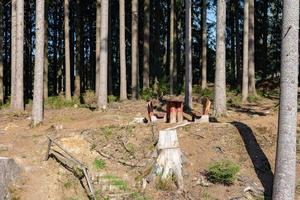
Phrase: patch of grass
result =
(164, 184)
(235, 101)
(112, 99)
(57, 102)
(108, 131)
(254, 98)
(68, 184)
(223, 172)
(116, 181)
(148, 94)
(137, 196)
(99, 164)
(206, 196)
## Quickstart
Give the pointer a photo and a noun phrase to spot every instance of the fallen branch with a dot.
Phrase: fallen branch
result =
(121, 161)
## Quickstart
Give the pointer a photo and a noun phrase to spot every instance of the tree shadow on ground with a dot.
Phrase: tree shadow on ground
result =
(259, 159)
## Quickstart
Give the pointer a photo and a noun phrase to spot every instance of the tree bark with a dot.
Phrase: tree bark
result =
(220, 73)
(245, 84)
(13, 52)
(123, 79)
(110, 75)
(237, 45)
(78, 49)
(102, 97)
(285, 168)
(135, 51)
(188, 54)
(1, 53)
(19, 101)
(252, 89)
(67, 52)
(204, 46)
(146, 56)
(37, 109)
(46, 61)
(98, 45)
(172, 47)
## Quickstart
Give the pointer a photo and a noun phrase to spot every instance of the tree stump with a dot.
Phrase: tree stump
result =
(9, 171)
(169, 161)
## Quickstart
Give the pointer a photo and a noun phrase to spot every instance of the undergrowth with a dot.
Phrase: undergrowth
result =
(223, 172)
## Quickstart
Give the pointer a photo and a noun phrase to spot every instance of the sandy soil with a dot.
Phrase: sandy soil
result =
(246, 136)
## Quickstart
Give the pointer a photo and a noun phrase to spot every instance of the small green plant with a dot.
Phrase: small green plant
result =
(116, 181)
(68, 184)
(99, 164)
(164, 184)
(223, 172)
(206, 196)
(235, 101)
(112, 99)
(107, 131)
(254, 98)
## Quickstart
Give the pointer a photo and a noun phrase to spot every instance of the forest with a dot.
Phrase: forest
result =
(140, 99)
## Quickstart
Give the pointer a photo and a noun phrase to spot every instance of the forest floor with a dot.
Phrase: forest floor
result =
(247, 136)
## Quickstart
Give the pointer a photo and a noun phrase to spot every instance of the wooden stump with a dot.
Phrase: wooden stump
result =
(173, 112)
(169, 161)
(179, 112)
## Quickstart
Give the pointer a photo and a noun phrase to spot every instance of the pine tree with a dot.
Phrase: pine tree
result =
(38, 100)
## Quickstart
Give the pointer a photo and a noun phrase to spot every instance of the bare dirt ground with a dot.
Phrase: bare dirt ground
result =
(246, 136)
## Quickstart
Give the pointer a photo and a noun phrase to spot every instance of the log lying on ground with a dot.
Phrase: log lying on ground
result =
(169, 160)
(9, 171)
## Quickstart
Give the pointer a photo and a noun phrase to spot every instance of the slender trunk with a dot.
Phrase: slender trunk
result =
(264, 63)
(13, 52)
(245, 52)
(110, 77)
(232, 43)
(172, 47)
(98, 44)
(285, 168)
(102, 98)
(237, 45)
(46, 61)
(1, 53)
(135, 51)
(19, 101)
(204, 46)
(37, 109)
(123, 79)
(67, 53)
(78, 49)
(146, 47)
(220, 73)
(188, 54)
(252, 89)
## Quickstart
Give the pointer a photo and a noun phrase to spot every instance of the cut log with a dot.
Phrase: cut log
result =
(169, 161)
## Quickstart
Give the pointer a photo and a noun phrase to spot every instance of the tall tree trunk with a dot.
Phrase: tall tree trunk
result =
(37, 109)
(220, 73)
(123, 79)
(110, 77)
(232, 42)
(1, 53)
(46, 61)
(102, 98)
(146, 51)
(13, 52)
(188, 54)
(78, 49)
(285, 168)
(98, 45)
(19, 101)
(252, 89)
(135, 50)
(204, 46)
(237, 45)
(67, 52)
(245, 84)
(172, 46)
(264, 63)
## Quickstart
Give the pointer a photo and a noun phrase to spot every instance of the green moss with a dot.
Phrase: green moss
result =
(99, 164)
